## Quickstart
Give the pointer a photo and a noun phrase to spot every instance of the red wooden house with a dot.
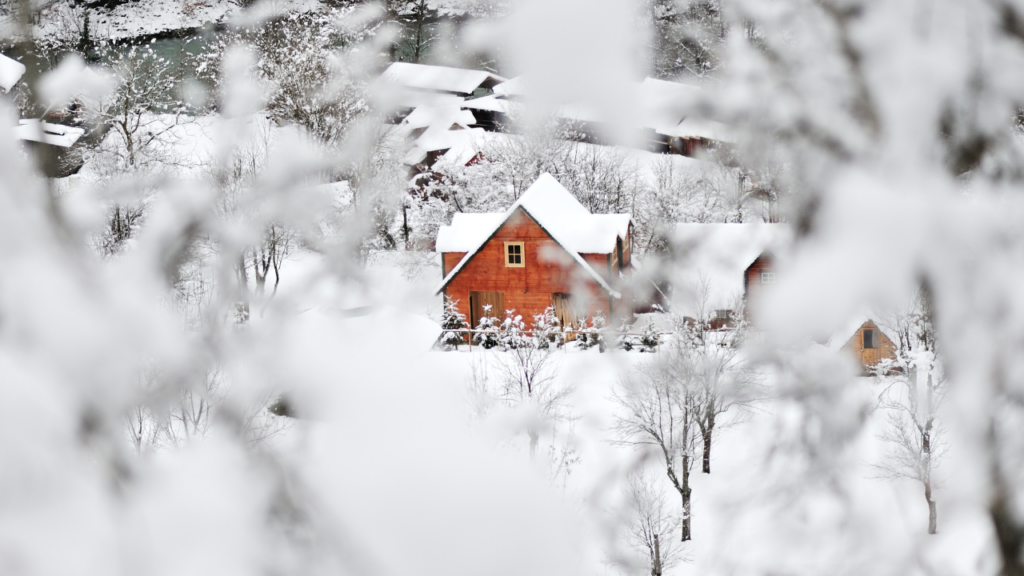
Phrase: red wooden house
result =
(546, 250)
(761, 272)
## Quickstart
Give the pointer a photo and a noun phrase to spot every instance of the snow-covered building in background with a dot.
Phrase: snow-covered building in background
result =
(11, 72)
(720, 266)
(443, 132)
(663, 118)
(545, 250)
(405, 86)
(58, 140)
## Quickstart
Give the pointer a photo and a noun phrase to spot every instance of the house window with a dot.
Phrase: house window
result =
(870, 339)
(723, 314)
(767, 277)
(514, 254)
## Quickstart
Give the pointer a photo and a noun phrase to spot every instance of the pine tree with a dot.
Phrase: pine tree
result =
(512, 333)
(547, 329)
(593, 335)
(452, 322)
(649, 338)
(489, 325)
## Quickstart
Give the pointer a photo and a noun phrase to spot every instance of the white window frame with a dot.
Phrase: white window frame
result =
(522, 255)
(767, 277)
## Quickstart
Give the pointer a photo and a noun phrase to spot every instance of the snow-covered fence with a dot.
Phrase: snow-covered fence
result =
(570, 336)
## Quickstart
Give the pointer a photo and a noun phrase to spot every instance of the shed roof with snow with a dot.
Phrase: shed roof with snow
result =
(34, 130)
(11, 72)
(556, 211)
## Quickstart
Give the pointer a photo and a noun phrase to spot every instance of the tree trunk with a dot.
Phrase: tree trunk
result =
(933, 519)
(706, 433)
(686, 498)
(656, 569)
(419, 32)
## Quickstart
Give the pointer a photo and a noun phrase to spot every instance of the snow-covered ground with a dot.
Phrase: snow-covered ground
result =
(581, 461)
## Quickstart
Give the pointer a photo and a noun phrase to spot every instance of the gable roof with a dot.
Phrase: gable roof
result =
(556, 211)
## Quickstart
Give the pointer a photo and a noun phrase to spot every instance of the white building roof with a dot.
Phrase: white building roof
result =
(467, 231)
(10, 72)
(491, 102)
(557, 212)
(665, 107)
(513, 87)
(54, 134)
(424, 116)
(717, 255)
(439, 78)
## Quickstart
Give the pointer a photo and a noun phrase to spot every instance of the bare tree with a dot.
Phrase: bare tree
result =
(659, 412)
(651, 524)
(721, 378)
(527, 377)
(914, 388)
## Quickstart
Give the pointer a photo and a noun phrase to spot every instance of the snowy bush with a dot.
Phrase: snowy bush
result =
(592, 335)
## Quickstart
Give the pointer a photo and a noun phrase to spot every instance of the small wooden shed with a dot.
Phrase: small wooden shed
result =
(545, 250)
(868, 344)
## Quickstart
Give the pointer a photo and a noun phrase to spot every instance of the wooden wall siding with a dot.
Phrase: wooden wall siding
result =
(449, 260)
(868, 358)
(752, 281)
(528, 289)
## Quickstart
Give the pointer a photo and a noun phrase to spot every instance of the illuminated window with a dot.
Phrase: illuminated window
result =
(767, 277)
(514, 255)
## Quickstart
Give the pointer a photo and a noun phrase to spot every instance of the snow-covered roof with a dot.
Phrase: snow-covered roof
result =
(665, 107)
(557, 212)
(439, 78)
(665, 104)
(424, 116)
(54, 134)
(491, 102)
(391, 97)
(441, 137)
(467, 231)
(512, 87)
(10, 72)
(441, 128)
(692, 127)
(718, 255)
(414, 156)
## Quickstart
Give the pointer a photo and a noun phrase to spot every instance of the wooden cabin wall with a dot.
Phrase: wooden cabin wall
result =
(528, 289)
(868, 358)
(752, 280)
